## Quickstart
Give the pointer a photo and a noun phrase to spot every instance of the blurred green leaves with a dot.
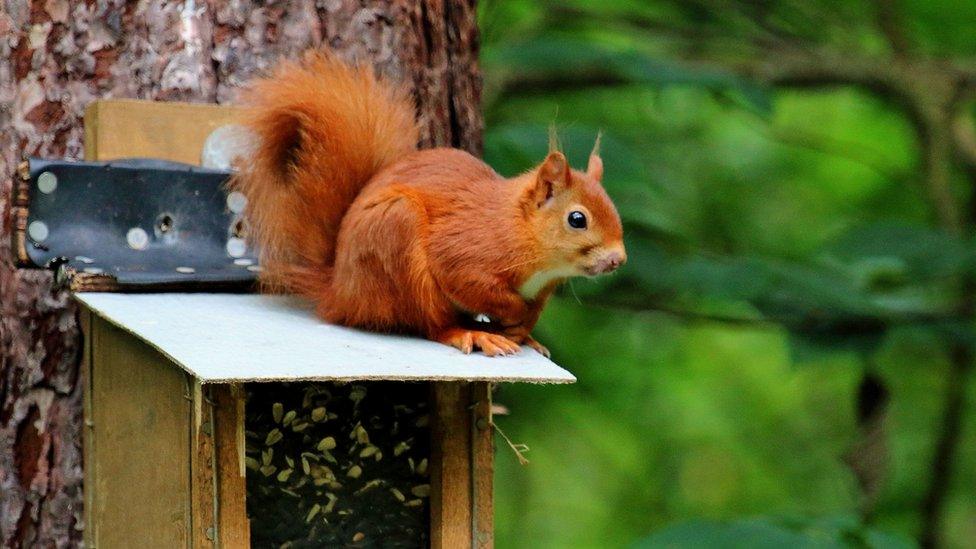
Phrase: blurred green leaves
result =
(773, 533)
(765, 229)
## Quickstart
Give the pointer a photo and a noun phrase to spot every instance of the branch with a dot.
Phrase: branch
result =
(890, 22)
(946, 445)
(964, 135)
(846, 322)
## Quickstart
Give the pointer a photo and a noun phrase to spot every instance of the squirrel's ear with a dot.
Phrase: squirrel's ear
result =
(553, 176)
(595, 167)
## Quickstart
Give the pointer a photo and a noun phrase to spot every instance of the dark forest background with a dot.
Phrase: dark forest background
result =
(786, 360)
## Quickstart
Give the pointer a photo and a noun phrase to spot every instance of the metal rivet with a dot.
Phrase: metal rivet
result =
(137, 238)
(210, 533)
(243, 262)
(186, 270)
(38, 231)
(236, 247)
(236, 202)
(47, 182)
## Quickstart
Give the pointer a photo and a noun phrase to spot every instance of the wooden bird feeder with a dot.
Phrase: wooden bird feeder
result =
(237, 419)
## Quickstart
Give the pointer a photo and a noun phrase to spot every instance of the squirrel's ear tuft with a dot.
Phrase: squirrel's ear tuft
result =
(594, 168)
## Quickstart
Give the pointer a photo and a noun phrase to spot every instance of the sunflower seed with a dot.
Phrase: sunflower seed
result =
(289, 417)
(326, 443)
(332, 501)
(273, 437)
(357, 393)
(362, 436)
(319, 414)
(400, 448)
(313, 512)
(368, 486)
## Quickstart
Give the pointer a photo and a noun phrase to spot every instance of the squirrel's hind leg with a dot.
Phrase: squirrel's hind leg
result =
(382, 280)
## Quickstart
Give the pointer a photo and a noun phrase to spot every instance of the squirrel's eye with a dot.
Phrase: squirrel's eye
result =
(576, 219)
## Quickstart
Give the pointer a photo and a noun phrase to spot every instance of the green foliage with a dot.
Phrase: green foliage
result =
(780, 244)
(767, 533)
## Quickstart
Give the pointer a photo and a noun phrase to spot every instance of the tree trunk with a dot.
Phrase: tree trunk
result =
(56, 56)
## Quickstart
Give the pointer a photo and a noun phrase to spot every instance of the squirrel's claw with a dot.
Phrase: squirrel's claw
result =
(489, 343)
(540, 348)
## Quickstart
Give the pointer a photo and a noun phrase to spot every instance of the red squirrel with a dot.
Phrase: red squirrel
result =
(382, 236)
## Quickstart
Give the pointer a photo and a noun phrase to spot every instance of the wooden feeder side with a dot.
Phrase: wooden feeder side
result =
(169, 467)
(461, 466)
(137, 444)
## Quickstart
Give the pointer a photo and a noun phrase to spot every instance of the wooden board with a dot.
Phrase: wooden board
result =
(203, 525)
(87, 440)
(129, 128)
(461, 509)
(138, 466)
(482, 467)
(233, 529)
(450, 467)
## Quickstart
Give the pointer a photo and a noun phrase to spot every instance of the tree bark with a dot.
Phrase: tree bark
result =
(56, 56)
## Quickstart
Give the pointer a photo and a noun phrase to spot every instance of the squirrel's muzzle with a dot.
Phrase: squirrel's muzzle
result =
(608, 262)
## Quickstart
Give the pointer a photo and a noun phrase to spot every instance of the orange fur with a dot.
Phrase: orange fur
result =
(388, 238)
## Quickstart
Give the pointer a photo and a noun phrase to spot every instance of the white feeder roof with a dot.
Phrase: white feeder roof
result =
(228, 338)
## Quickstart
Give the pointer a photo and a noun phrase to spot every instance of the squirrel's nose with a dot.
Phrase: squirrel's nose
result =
(612, 260)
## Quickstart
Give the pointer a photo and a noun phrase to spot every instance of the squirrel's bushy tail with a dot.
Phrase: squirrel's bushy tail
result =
(324, 128)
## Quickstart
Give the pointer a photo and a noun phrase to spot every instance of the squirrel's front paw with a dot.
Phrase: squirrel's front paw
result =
(489, 343)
